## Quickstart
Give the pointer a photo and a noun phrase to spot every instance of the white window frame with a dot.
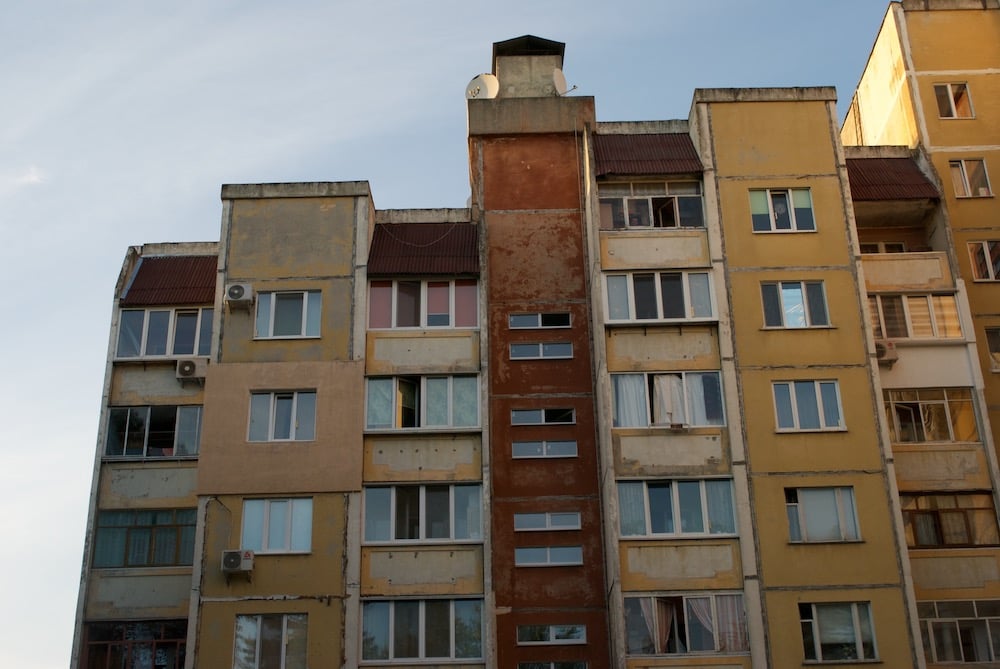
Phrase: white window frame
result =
(531, 556)
(825, 425)
(476, 529)
(204, 320)
(540, 320)
(545, 350)
(555, 635)
(295, 508)
(544, 448)
(659, 635)
(950, 92)
(960, 171)
(311, 315)
(677, 515)
(659, 391)
(389, 631)
(424, 316)
(611, 279)
(861, 616)
(420, 416)
(930, 406)
(650, 192)
(794, 224)
(935, 307)
(193, 411)
(810, 318)
(542, 416)
(939, 617)
(547, 521)
(298, 427)
(844, 509)
(257, 620)
(982, 249)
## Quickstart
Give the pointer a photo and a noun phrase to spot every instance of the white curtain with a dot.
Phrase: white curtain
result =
(732, 633)
(630, 400)
(668, 402)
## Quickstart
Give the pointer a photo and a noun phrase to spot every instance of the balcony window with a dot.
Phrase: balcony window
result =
(922, 415)
(682, 624)
(643, 206)
(412, 402)
(660, 296)
(429, 303)
(949, 520)
(915, 316)
(670, 399)
(164, 332)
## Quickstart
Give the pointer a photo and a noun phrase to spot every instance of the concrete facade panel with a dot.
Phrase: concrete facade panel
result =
(888, 272)
(535, 257)
(928, 366)
(151, 383)
(662, 452)
(662, 348)
(642, 249)
(505, 116)
(121, 594)
(956, 574)
(941, 467)
(410, 353)
(705, 565)
(451, 457)
(421, 570)
(137, 486)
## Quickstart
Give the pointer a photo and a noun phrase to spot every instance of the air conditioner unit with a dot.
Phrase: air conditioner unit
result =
(237, 562)
(885, 352)
(191, 368)
(239, 295)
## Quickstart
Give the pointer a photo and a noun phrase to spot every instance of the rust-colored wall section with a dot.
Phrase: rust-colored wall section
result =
(531, 173)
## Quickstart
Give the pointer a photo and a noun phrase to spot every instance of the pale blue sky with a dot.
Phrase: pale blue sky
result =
(120, 120)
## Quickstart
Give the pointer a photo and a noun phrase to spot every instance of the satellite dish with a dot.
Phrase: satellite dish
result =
(559, 81)
(483, 87)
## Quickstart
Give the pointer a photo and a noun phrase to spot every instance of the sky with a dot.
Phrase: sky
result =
(120, 120)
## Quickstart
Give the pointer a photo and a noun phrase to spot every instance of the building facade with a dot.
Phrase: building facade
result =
(709, 392)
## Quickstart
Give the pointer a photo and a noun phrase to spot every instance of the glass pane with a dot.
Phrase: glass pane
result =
(531, 521)
(639, 626)
(557, 349)
(958, 179)
(156, 333)
(532, 633)
(555, 320)
(701, 296)
(408, 304)
(468, 628)
(135, 440)
(138, 550)
(438, 303)
(816, 299)
(721, 519)
(618, 305)
(408, 512)
(689, 498)
(313, 313)
(277, 525)
(566, 554)
(561, 449)
(960, 95)
(437, 628)
(109, 547)
(946, 316)
(700, 627)
(644, 289)
(935, 421)
(295, 641)
(260, 416)
(377, 514)
(806, 406)
(305, 416)
(978, 185)
(831, 404)
(301, 524)
(437, 505)
(380, 304)
(661, 513)
(530, 556)
(205, 332)
(631, 508)
(465, 401)
(819, 509)
(772, 305)
(283, 416)
(160, 433)
(793, 305)
(567, 520)
(527, 449)
(165, 545)
(943, 96)
(379, 405)
(263, 324)
(672, 295)
(185, 326)
(245, 651)
(893, 318)
(782, 215)
(117, 431)
(287, 314)
(946, 642)
(835, 623)
(612, 214)
(920, 316)
(468, 511)
(375, 631)
(638, 213)
(466, 304)
(253, 525)
(130, 333)
(783, 405)
(663, 212)
(963, 420)
(759, 211)
(691, 212)
(271, 645)
(802, 202)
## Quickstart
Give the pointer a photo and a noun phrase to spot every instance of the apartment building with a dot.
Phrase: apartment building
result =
(704, 392)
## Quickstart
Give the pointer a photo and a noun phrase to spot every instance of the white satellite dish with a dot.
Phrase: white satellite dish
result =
(483, 87)
(559, 81)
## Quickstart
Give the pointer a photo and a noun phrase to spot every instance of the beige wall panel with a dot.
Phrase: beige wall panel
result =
(688, 663)
(451, 457)
(119, 594)
(907, 271)
(641, 249)
(663, 349)
(954, 40)
(764, 138)
(928, 366)
(229, 463)
(416, 352)
(337, 298)
(956, 574)
(833, 451)
(317, 573)
(827, 246)
(151, 383)
(661, 452)
(789, 564)
(943, 467)
(709, 564)
(422, 570)
(889, 616)
(284, 237)
(162, 485)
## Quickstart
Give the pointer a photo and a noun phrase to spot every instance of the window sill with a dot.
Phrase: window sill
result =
(422, 430)
(826, 542)
(258, 554)
(173, 357)
(149, 458)
(287, 337)
(783, 232)
(708, 320)
(435, 328)
(145, 570)
(780, 328)
(410, 544)
(974, 197)
(678, 537)
(283, 441)
(548, 565)
(813, 663)
(812, 430)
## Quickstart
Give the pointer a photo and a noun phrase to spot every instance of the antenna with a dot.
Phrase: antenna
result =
(559, 81)
(482, 87)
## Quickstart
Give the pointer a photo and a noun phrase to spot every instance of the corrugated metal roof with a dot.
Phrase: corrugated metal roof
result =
(162, 280)
(667, 153)
(424, 248)
(888, 179)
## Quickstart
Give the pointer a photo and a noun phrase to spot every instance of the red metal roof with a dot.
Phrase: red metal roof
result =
(163, 280)
(424, 248)
(666, 153)
(875, 179)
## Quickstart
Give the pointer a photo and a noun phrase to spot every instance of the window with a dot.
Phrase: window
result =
(969, 178)
(641, 206)
(271, 641)
(794, 304)
(672, 399)
(807, 405)
(153, 432)
(414, 629)
(144, 333)
(544, 449)
(985, 260)
(883, 247)
(144, 538)
(931, 414)
(821, 514)
(672, 508)
(288, 314)
(283, 416)
(423, 304)
(529, 635)
(961, 631)
(953, 100)
(839, 631)
(422, 401)
(782, 210)
(915, 316)
(678, 624)
(147, 643)
(553, 520)
(548, 556)
(660, 296)
(942, 520)
(277, 525)
(552, 665)
(993, 346)
(540, 350)
(423, 513)
(538, 320)
(542, 417)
